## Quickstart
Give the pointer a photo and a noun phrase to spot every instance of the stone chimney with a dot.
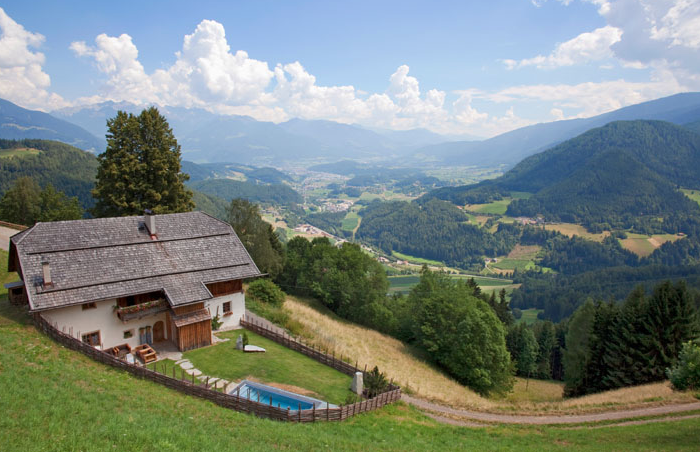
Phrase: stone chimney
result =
(46, 272)
(151, 223)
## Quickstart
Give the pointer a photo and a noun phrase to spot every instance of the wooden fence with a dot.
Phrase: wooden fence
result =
(189, 385)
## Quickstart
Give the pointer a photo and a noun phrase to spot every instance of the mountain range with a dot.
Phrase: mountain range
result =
(208, 137)
(17, 123)
(511, 147)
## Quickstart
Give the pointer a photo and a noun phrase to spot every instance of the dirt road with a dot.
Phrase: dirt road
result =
(478, 416)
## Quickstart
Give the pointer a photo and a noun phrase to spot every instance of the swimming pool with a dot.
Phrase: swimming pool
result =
(280, 398)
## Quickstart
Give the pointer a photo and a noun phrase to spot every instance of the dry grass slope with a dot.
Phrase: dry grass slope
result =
(403, 364)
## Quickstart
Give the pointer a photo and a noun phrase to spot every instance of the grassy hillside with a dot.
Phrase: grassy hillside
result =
(411, 370)
(57, 399)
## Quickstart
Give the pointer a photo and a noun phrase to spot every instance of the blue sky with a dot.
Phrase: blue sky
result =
(480, 68)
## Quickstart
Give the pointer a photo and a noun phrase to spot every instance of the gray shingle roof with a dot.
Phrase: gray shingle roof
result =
(113, 257)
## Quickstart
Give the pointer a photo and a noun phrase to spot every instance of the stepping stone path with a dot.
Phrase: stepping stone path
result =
(195, 372)
(189, 369)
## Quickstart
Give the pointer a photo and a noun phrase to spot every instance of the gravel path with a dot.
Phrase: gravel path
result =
(477, 416)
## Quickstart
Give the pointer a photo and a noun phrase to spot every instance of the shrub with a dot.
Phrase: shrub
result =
(517, 313)
(216, 322)
(375, 382)
(266, 291)
(245, 339)
(686, 373)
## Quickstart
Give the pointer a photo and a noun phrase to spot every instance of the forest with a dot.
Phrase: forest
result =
(434, 230)
(66, 168)
(609, 177)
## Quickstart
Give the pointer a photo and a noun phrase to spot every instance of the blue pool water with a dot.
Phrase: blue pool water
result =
(284, 399)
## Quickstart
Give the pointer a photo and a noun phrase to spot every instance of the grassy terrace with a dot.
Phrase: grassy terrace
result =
(57, 399)
(278, 366)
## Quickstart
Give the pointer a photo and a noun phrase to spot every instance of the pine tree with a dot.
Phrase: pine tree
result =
(601, 339)
(577, 353)
(669, 322)
(627, 355)
(141, 168)
(546, 341)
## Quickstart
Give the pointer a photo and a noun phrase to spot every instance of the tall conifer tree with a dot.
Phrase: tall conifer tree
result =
(140, 168)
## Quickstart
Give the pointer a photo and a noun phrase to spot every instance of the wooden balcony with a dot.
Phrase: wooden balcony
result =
(142, 310)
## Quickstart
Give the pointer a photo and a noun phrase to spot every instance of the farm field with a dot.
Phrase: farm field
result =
(571, 230)
(350, 221)
(692, 194)
(18, 152)
(644, 245)
(529, 316)
(508, 264)
(493, 208)
(404, 283)
(416, 260)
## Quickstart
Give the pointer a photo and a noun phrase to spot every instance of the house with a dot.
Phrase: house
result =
(133, 280)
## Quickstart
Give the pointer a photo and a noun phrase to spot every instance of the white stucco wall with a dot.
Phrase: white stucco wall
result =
(233, 321)
(103, 319)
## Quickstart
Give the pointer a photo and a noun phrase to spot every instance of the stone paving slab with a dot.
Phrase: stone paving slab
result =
(187, 365)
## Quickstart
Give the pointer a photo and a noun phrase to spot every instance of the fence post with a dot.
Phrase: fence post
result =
(299, 413)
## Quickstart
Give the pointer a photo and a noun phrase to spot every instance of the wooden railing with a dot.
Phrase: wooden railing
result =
(189, 385)
(141, 310)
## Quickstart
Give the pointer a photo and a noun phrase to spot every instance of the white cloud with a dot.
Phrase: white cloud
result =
(592, 98)
(586, 47)
(680, 25)
(22, 78)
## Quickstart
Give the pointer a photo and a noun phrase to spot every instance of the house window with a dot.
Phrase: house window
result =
(227, 308)
(92, 339)
(91, 305)
(128, 334)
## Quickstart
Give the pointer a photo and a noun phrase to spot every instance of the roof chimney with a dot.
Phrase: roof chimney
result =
(46, 272)
(151, 223)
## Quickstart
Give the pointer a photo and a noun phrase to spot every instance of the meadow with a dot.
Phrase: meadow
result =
(58, 399)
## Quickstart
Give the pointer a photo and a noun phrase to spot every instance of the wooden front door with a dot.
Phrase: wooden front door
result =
(158, 330)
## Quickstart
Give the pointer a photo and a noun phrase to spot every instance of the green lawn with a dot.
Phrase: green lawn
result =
(57, 399)
(530, 315)
(277, 365)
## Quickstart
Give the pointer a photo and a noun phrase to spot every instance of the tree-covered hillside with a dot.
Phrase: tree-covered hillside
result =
(434, 230)
(622, 175)
(67, 168)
